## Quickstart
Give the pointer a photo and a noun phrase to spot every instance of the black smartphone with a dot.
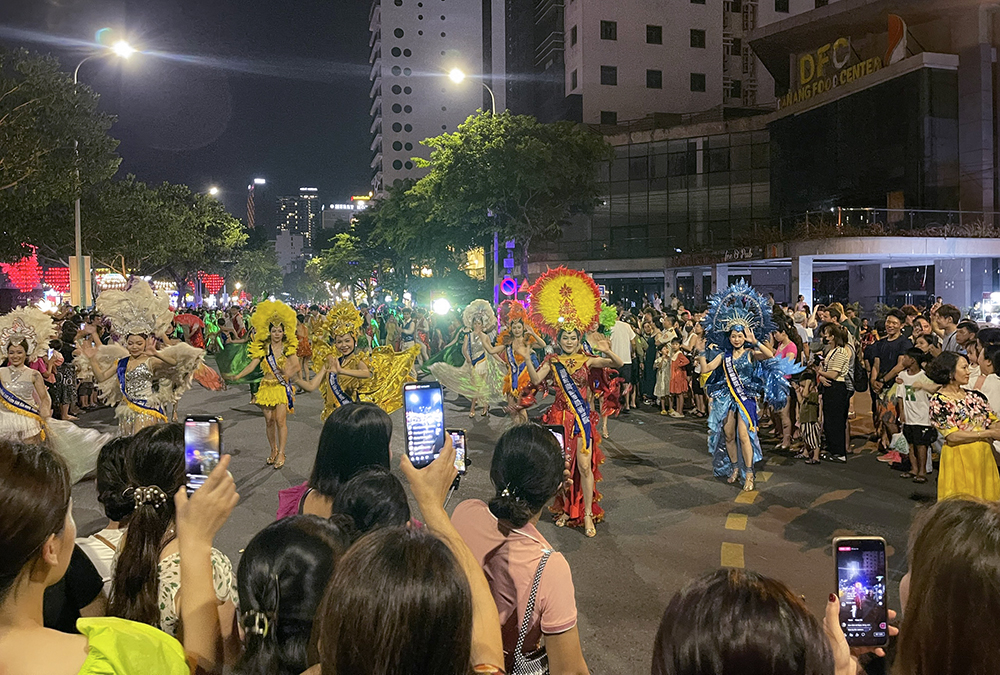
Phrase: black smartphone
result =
(423, 412)
(202, 448)
(861, 587)
(559, 433)
(458, 440)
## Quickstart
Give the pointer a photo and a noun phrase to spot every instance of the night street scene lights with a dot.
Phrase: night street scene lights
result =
(457, 76)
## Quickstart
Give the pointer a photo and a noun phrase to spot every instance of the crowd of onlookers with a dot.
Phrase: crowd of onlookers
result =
(347, 580)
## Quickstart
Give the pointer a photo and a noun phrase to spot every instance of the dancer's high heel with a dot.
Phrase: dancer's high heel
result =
(281, 462)
(589, 530)
(270, 460)
(748, 485)
(735, 475)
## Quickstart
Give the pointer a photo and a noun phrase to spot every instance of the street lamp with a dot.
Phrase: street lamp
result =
(213, 191)
(457, 76)
(123, 50)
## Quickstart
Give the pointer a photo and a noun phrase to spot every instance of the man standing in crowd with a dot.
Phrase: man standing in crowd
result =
(911, 314)
(886, 362)
(948, 317)
(965, 335)
(621, 344)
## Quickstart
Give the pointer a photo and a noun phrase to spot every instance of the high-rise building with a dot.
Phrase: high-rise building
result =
(299, 214)
(414, 46)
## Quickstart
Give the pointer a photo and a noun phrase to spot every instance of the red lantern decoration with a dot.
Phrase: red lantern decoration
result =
(57, 278)
(25, 274)
(213, 282)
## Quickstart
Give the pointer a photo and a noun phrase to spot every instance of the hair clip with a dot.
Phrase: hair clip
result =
(151, 495)
(261, 624)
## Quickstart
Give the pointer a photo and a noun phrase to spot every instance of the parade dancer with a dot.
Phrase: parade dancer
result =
(517, 333)
(126, 376)
(566, 304)
(748, 372)
(273, 349)
(480, 378)
(25, 407)
(346, 365)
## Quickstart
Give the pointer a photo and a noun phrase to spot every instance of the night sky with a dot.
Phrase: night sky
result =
(232, 89)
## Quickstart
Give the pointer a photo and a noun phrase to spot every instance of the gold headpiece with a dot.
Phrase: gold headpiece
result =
(343, 319)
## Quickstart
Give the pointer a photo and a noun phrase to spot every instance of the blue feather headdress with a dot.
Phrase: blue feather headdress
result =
(734, 307)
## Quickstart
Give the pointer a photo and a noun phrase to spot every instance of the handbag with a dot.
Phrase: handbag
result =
(536, 663)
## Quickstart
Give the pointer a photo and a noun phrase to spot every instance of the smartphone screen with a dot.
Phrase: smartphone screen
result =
(559, 433)
(861, 586)
(458, 440)
(202, 448)
(423, 411)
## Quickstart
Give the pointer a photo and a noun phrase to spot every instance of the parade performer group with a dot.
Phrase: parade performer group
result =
(25, 406)
(743, 370)
(517, 334)
(566, 305)
(139, 380)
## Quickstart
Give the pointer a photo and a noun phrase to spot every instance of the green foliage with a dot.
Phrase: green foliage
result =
(41, 115)
(257, 269)
(511, 174)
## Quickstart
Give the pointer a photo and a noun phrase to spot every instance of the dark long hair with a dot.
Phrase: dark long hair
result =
(34, 500)
(113, 491)
(526, 473)
(372, 499)
(732, 621)
(398, 603)
(156, 458)
(282, 577)
(354, 437)
(949, 627)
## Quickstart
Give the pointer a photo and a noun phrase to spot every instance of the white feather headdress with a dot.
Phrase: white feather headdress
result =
(482, 310)
(30, 325)
(137, 311)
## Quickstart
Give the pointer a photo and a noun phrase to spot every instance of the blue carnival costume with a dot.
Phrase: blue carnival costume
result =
(737, 384)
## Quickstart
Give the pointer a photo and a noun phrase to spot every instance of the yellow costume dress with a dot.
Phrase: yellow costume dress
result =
(967, 469)
(339, 389)
(275, 388)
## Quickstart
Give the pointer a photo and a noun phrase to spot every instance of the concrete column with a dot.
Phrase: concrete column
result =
(720, 277)
(953, 281)
(802, 279)
(975, 126)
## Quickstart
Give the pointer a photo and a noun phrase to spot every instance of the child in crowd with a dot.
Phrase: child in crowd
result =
(915, 414)
(663, 365)
(808, 418)
(678, 377)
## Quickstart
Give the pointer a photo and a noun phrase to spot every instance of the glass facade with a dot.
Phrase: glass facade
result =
(900, 137)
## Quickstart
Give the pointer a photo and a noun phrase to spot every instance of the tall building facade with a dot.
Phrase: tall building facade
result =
(414, 46)
(300, 214)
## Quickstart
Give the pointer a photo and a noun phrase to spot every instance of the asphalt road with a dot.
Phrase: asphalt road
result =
(668, 520)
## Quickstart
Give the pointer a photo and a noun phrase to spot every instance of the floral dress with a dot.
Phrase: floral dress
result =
(169, 572)
(967, 469)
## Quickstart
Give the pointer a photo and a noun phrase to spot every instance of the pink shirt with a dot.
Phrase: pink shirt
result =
(509, 562)
(789, 351)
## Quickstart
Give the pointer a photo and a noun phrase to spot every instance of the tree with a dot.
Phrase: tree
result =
(513, 175)
(349, 261)
(42, 114)
(258, 271)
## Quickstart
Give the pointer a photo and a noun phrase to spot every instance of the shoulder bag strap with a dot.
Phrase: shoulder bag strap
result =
(530, 609)
(105, 542)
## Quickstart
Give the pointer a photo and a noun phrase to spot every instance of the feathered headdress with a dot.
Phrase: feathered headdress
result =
(265, 315)
(30, 325)
(738, 306)
(136, 311)
(565, 299)
(482, 310)
(343, 319)
(511, 311)
(609, 316)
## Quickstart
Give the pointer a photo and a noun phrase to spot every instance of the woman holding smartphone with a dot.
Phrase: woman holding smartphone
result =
(566, 305)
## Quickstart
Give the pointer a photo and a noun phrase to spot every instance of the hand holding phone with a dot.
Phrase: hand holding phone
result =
(423, 412)
(861, 590)
(458, 441)
(202, 448)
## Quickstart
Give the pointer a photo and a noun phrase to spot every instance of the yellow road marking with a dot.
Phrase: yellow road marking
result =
(732, 555)
(764, 476)
(736, 521)
(746, 497)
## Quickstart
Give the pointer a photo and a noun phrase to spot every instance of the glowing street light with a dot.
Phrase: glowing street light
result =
(213, 191)
(441, 306)
(259, 181)
(457, 76)
(238, 285)
(123, 49)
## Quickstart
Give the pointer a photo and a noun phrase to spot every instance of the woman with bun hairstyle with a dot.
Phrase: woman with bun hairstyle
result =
(527, 472)
(282, 577)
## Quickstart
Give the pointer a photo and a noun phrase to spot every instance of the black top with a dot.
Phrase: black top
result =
(887, 352)
(79, 587)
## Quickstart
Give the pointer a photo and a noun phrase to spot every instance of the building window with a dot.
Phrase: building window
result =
(572, 80)
(697, 38)
(697, 2)
(781, 6)
(654, 35)
(697, 81)
(609, 117)
(654, 79)
(572, 36)
(736, 89)
(609, 30)
(609, 75)
(822, 3)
